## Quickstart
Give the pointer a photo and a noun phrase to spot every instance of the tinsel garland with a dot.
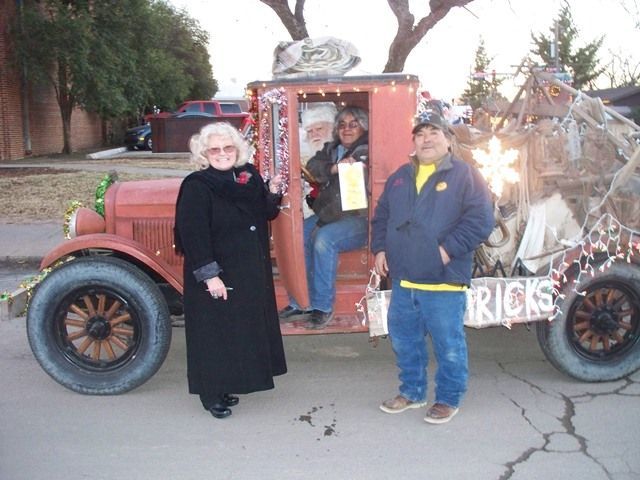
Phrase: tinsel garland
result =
(106, 182)
(265, 103)
(30, 283)
(252, 133)
(68, 217)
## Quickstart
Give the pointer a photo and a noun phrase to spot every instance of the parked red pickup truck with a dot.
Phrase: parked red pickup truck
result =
(171, 132)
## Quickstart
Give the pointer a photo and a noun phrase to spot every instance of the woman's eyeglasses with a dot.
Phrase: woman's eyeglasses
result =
(228, 149)
(352, 124)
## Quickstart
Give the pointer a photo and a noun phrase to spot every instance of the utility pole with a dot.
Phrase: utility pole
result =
(555, 45)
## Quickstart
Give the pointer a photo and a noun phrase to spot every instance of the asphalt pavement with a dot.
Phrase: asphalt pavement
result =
(521, 420)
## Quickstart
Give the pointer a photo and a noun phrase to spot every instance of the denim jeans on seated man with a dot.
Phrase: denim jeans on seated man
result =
(321, 247)
(415, 313)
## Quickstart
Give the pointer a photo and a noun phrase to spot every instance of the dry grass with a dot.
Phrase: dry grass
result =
(44, 194)
(168, 164)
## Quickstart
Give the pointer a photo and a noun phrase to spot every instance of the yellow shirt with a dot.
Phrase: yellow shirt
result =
(423, 174)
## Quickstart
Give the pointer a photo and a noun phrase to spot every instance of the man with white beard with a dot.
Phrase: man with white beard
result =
(317, 129)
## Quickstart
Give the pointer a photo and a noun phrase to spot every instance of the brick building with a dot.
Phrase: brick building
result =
(29, 115)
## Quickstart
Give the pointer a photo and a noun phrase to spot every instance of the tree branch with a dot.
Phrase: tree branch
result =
(294, 23)
(408, 35)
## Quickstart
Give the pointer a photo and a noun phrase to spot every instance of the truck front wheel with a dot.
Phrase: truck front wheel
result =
(596, 335)
(98, 325)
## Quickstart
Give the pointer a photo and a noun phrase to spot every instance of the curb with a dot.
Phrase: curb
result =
(107, 153)
(23, 261)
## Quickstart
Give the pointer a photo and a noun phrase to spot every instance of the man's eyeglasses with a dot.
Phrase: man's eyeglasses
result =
(228, 149)
(352, 124)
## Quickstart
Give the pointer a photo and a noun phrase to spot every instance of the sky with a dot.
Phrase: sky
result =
(244, 33)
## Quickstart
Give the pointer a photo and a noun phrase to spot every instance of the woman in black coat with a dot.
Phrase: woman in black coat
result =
(234, 344)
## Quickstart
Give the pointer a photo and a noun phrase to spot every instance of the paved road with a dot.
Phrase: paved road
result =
(521, 420)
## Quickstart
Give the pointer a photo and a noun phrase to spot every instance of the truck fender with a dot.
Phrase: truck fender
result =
(115, 243)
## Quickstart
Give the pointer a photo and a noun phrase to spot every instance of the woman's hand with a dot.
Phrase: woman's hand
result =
(217, 288)
(334, 167)
(276, 183)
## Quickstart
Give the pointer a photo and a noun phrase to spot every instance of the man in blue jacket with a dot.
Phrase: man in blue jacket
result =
(434, 212)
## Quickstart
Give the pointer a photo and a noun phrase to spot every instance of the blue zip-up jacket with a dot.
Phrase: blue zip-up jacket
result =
(454, 209)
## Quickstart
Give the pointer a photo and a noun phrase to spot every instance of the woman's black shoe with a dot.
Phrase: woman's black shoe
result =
(219, 410)
(230, 400)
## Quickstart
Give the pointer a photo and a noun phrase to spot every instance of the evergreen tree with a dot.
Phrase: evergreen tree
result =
(482, 84)
(580, 62)
(112, 58)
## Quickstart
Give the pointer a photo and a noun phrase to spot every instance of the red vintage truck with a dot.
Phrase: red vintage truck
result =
(100, 321)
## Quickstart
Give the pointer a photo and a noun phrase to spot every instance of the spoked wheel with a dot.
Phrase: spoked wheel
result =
(99, 325)
(596, 335)
(605, 323)
(97, 329)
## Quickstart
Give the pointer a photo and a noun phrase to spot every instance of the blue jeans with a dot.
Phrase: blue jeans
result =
(321, 248)
(412, 315)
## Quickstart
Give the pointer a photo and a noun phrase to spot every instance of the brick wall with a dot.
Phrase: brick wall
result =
(45, 123)
(11, 141)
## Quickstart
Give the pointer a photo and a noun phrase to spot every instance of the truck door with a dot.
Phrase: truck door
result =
(280, 153)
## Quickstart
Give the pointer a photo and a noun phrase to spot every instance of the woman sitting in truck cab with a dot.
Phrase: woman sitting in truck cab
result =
(330, 230)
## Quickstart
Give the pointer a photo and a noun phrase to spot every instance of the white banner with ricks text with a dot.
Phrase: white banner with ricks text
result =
(494, 301)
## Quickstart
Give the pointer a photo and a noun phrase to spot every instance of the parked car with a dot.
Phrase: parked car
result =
(139, 138)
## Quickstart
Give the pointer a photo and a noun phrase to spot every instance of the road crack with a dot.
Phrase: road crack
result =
(555, 440)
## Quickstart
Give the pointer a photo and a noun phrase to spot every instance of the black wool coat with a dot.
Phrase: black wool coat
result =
(233, 346)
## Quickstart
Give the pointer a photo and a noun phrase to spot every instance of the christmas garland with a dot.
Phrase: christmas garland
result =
(68, 217)
(106, 182)
(265, 104)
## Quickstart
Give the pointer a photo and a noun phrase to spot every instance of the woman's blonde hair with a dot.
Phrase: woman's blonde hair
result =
(199, 144)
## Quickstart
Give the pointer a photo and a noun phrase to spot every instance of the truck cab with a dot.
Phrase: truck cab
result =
(391, 101)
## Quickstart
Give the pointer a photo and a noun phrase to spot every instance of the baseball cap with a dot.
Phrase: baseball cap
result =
(430, 117)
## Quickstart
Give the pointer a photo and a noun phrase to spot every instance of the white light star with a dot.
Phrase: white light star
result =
(497, 166)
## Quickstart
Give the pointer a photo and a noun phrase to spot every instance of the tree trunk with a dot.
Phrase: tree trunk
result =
(293, 22)
(66, 104)
(408, 35)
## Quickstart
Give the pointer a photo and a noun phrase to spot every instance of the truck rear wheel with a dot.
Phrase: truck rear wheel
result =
(99, 326)
(596, 335)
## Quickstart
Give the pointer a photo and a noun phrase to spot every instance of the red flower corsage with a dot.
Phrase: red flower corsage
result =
(243, 177)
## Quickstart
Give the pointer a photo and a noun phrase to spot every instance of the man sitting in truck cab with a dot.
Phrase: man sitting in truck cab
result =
(330, 230)
(317, 125)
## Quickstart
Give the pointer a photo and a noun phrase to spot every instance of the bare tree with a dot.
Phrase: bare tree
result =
(293, 21)
(622, 70)
(632, 7)
(408, 35)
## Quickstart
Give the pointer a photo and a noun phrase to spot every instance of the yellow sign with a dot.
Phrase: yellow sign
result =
(353, 192)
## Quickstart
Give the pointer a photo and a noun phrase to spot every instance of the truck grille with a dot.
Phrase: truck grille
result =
(157, 236)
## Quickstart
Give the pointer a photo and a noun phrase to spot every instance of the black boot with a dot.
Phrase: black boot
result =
(217, 407)
(230, 400)
(219, 410)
